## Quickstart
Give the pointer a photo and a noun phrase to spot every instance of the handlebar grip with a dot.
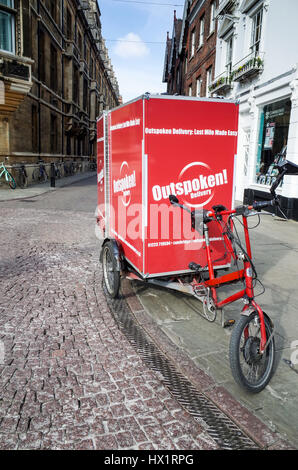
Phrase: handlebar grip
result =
(258, 205)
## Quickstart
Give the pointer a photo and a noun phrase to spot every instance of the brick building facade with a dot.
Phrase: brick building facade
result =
(71, 79)
(194, 60)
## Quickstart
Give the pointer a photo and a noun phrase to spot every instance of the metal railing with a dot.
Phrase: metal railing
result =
(249, 65)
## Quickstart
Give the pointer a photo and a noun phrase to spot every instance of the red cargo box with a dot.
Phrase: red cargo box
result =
(155, 146)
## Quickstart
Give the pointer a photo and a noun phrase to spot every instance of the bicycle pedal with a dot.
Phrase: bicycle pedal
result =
(228, 323)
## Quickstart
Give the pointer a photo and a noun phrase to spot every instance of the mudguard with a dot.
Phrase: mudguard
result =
(249, 310)
(118, 253)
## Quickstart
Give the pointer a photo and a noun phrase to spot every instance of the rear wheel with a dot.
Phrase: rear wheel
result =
(23, 181)
(111, 274)
(250, 369)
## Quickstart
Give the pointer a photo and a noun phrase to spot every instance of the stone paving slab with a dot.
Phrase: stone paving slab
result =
(207, 344)
(69, 378)
(255, 428)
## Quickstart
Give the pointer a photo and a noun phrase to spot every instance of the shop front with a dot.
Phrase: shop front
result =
(274, 123)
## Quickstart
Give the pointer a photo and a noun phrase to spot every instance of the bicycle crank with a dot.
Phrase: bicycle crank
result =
(209, 309)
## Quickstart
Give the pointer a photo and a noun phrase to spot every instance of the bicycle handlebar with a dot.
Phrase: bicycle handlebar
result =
(258, 205)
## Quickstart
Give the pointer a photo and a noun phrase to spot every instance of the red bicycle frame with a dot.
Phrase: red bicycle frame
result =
(244, 274)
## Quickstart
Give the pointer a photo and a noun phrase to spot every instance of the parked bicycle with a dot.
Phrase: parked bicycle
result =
(9, 179)
(57, 170)
(22, 177)
(40, 174)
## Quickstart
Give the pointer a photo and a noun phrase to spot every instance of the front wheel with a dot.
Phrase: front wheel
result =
(111, 274)
(250, 369)
(11, 181)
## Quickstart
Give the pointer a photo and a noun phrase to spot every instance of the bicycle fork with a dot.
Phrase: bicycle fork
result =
(247, 294)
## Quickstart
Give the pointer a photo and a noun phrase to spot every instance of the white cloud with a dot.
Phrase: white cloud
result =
(131, 46)
(138, 80)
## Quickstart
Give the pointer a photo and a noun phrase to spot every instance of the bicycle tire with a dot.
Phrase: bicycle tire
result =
(35, 174)
(110, 273)
(11, 181)
(44, 177)
(244, 354)
(23, 181)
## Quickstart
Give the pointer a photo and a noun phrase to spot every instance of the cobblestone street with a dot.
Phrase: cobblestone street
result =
(69, 378)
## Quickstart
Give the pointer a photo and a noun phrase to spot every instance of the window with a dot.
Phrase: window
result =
(53, 9)
(192, 43)
(256, 31)
(68, 25)
(75, 84)
(80, 43)
(34, 128)
(42, 66)
(190, 90)
(53, 69)
(212, 18)
(202, 31)
(53, 134)
(273, 137)
(229, 55)
(85, 95)
(208, 81)
(91, 68)
(7, 26)
(198, 86)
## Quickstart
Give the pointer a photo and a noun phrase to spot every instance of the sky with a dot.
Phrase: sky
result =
(135, 33)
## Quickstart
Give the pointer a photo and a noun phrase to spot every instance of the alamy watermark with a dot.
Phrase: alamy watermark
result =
(165, 225)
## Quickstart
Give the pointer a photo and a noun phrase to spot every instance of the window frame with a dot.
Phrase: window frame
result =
(212, 17)
(256, 31)
(11, 12)
(229, 52)
(208, 80)
(192, 42)
(53, 68)
(198, 86)
(202, 31)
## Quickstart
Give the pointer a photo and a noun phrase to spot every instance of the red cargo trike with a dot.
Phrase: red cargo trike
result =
(141, 172)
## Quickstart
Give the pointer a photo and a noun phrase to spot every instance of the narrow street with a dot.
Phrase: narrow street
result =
(79, 371)
(70, 379)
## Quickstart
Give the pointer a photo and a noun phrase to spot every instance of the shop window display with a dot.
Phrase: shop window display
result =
(273, 136)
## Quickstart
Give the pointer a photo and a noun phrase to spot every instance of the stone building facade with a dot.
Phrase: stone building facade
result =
(70, 81)
(15, 66)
